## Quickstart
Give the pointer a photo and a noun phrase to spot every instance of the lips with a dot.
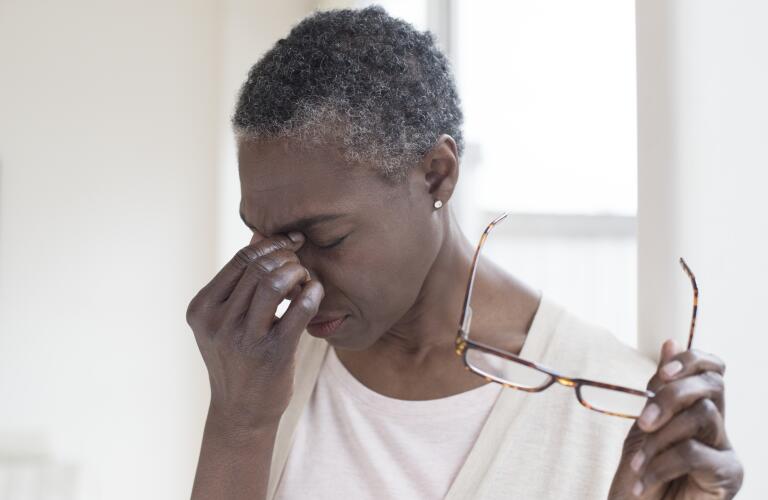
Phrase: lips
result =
(325, 329)
(325, 318)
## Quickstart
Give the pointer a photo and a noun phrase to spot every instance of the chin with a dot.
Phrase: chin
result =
(352, 338)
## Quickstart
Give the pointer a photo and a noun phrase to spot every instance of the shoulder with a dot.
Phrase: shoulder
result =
(593, 351)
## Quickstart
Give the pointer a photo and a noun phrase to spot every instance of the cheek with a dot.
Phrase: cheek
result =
(383, 282)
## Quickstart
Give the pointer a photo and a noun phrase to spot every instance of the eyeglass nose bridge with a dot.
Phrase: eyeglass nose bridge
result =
(565, 381)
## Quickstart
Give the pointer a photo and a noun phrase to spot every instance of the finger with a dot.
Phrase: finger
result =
(669, 349)
(239, 301)
(301, 311)
(270, 292)
(702, 422)
(294, 293)
(221, 286)
(678, 395)
(711, 469)
(694, 362)
(689, 363)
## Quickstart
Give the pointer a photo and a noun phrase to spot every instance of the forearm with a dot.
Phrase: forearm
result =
(234, 463)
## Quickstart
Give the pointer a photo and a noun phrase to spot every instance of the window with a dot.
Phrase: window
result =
(548, 93)
(549, 97)
(548, 90)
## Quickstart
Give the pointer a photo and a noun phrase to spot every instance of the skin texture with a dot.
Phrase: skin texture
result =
(402, 284)
(399, 275)
(678, 448)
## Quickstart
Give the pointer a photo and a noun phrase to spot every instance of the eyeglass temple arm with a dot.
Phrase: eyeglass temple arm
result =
(695, 299)
(466, 318)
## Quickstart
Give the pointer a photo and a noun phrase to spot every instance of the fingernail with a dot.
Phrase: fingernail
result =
(637, 489)
(649, 415)
(672, 368)
(295, 236)
(637, 461)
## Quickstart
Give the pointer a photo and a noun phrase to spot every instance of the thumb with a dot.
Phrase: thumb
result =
(669, 350)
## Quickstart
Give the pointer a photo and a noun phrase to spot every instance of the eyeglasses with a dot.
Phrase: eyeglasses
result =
(508, 369)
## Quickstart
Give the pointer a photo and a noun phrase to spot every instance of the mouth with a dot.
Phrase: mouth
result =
(325, 325)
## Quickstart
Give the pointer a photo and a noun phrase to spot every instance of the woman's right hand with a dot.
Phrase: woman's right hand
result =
(248, 351)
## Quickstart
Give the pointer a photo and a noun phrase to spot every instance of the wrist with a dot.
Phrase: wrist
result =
(232, 430)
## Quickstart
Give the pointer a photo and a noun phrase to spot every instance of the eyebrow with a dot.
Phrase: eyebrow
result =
(301, 224)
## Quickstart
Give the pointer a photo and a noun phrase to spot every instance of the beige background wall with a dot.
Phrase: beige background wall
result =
(112, 118)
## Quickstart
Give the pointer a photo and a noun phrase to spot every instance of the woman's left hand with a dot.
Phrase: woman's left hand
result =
(678, 448)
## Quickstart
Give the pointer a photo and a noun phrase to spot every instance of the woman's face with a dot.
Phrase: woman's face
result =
(371, 244)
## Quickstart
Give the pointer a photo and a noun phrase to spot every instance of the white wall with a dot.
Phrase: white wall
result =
(118, 201)
(249, 29)
(703, 171)
(107, 141)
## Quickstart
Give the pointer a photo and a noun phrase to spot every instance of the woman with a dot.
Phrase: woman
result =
(349, 140)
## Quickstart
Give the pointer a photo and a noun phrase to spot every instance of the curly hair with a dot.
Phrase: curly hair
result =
(358, 76)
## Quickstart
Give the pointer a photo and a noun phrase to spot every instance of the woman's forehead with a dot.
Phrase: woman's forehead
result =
(280, 186)
(270, 210)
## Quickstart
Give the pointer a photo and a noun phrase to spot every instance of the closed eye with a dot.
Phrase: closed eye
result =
(335, 243)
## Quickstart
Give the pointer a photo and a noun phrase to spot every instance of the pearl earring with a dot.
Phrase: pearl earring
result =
(438, 204)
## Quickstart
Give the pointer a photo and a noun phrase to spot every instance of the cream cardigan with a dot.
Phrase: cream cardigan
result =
(533, 445)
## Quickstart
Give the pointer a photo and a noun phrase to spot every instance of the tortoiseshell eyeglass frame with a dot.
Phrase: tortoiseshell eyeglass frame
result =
(463, 343)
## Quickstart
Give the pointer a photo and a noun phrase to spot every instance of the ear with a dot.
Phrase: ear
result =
(439, 169)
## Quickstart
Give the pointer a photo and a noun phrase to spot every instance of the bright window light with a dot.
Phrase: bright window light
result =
(548, 91)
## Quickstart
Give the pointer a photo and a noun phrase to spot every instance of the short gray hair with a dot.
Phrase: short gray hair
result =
(370, 81)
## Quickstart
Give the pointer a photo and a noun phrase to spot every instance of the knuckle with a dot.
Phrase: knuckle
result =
(245, 255)
(686, 449)
(308, 305)
(709, 409)
(270, 354)
(715, 381)
(688, 357)
(669, 395)
(705, 412)
(294, 269)
(196, 310)
(265, 264)
(192, 312)
(649, 446)
(634, 442)
(721, 363)
(708, 422)
(654, 383)
(694, 354)
(285, 255)
(274, 284)
(218, 333)
(651, 475)
(272, 244)
(738, 473)
(246, 344)
(707, 359)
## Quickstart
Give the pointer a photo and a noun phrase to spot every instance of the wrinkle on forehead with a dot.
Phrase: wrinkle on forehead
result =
(279, 202)
(264, 182)
(280, 185)
(275, 164)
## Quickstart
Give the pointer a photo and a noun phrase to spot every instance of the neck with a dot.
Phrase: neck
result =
(415, 359)
(433, 320)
